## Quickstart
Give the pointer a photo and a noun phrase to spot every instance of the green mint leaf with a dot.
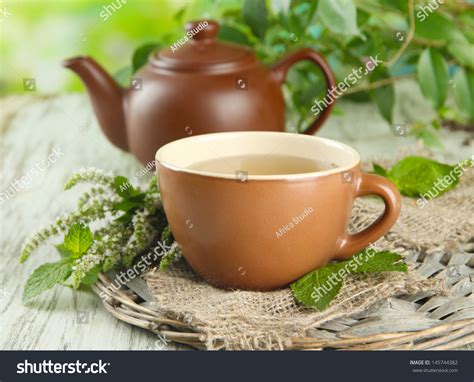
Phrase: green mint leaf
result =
(63, 251)
(125, 218)
(369, 260)
(416, 176)
(125, 188)
(122, 76)
(140, 56)
(318, 288)
(255, 15)
(339, 16)
(379, 170)
(232, 34)
(464, 92)
(436, 27)
(384, 96)
(128, 205)
(433, 76)
(45, 277)
(78, 239)
(92, 276)
(427, 134)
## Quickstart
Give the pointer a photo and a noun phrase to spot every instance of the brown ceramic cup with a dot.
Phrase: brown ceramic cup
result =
(262, 232)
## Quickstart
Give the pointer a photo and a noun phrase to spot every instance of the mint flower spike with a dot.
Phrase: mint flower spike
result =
(95, 193)
(90, 175)
(60, 225)
(130, 223)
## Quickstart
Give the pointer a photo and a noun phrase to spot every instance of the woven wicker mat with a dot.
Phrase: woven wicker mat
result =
(429, 307)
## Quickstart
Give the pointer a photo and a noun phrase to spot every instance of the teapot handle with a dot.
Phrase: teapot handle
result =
(280, 69)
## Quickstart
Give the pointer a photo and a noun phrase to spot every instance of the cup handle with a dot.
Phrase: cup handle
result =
(280, 69)
(369, 184)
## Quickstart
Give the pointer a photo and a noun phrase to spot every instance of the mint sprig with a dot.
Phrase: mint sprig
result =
(76, 243)
(318, 288)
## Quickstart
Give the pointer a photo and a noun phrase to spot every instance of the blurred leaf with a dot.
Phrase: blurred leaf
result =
(433, 76)
(462, 51)
(401, 5)
(232, 13)
(362, 17)
(435, 27)
(379, 170)
(179, 15)
(300, 16)
(464, 92)
(428, 135)
(123, 76)
(315, 31)
(447, 113)
(466, 22)
(140, 56)
(301, 9)
(337, 110)
(229, 33)
(339, 16)
(395, 22)
(255, 15)
(362, 96)
(384, 96)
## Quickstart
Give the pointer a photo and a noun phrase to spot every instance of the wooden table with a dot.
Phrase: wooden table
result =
(31, 128)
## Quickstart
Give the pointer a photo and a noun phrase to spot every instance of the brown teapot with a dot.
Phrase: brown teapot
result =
(197, 86)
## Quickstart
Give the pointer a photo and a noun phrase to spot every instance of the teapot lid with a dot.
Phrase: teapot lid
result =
(199, 50)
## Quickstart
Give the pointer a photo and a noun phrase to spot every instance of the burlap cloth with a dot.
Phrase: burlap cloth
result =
(256, 320)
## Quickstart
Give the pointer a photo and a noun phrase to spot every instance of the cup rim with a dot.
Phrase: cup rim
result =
(229, 135)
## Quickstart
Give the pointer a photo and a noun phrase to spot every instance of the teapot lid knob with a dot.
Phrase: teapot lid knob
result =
(202, 29)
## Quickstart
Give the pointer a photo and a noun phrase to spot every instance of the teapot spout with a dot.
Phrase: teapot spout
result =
(107, 98)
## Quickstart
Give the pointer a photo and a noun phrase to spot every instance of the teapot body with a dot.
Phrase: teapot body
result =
(171, 105)
(199, 86)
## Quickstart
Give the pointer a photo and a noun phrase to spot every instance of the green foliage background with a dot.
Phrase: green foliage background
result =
(436, 50)
(38, 35)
